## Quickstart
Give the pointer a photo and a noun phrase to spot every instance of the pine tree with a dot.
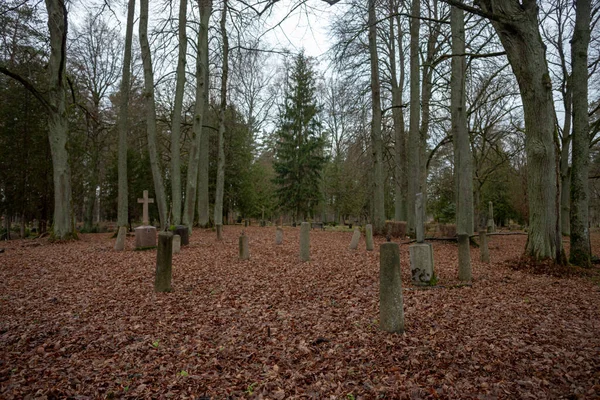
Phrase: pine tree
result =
(299, 151)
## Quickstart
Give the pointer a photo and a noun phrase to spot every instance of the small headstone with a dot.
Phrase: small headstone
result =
(244, 249)
(355, 239)
(164, 262)
(421, 263)
(491, 226)
(245, 223)
(279, 236)
(305, 241)
(184, 234)
(176, 244)
(391, 303)
(145, 236)
(421, 254)
(369, 237)
(120, 245)
(484, 251)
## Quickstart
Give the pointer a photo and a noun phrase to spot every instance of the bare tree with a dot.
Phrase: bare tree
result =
(414, 137)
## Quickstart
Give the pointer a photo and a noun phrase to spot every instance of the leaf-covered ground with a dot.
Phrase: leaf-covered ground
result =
(81, 320)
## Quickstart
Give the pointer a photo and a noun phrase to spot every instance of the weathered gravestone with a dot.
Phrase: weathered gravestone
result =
(145, 235)
(391, 303)
(421, 254)
(164, 262)
(184, 233)
(244, 249)
(279, 235)
(305, 241)
(369, 237)
(491, 226)
(355, 239)
(176, 244)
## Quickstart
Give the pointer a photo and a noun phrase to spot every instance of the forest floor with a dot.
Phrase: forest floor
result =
(80, 320)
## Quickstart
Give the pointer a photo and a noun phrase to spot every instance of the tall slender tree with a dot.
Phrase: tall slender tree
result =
(580, 234)
(413, 156)
(299, 147)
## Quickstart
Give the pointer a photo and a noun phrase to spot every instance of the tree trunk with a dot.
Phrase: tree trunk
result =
(62, 227)
(122, 127)
(463, 174)
(376, 141)
(398, 116)
(199, 114)
(580, 235)
(517, 27)
(414, 153)
(221, 141)
(159, 189)
(176, 123)
(565, 170)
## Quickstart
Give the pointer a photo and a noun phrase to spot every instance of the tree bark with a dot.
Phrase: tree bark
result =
(414, 154)
(517, 27)
(176, 122)
(463, 173)
(376, 141)
(63, 226)
(398, 116)
(199, 114)
(218, 209)
(580, 235)
(122, 126)
(159, 188)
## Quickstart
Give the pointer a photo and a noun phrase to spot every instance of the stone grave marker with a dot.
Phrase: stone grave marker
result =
(244, 249)
(164, 262)
(184, 234)
(305, 241)
(145, 235)
(176, 244)
(355, 239)
(421, 253)
(279, 235)
(391, 303)
(369, 237)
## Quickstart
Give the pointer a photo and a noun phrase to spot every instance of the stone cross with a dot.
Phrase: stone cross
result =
(419, 223)
(145, 200)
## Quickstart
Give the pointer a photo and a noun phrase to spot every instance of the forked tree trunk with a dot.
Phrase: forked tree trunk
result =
(376, 142)
(580, 235)
(176, 123)
(63, 226)
(517, 27)
(221, 141)
(463, 174)
(199, 114)
(122, 127)
(565, 170)
(414, 137)
(159, 188)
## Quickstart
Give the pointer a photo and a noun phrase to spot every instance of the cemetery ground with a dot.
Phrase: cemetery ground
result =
(80, 320)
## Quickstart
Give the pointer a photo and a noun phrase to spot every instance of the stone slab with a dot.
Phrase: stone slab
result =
(184, 233)
(421, 263)
(145, 236)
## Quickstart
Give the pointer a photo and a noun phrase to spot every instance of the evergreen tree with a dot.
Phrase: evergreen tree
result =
(299, 151)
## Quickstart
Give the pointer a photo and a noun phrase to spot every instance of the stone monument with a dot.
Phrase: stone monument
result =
(184, 233)
(164, 262)
(391, 303)
(355, 239)
(305, 241)
(176, 244)
(421, 253)
(145, 235)
(369, 237)
(279, 235)
(244, 250)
